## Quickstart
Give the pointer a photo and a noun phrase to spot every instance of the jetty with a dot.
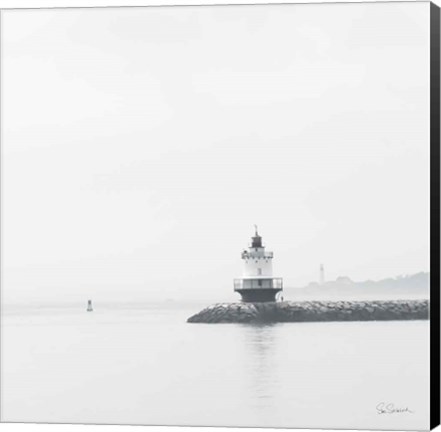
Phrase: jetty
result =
(313, 311)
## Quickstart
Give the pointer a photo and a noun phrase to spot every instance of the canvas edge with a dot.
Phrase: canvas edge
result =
(1, 218)
(206, 3)
(434, 215)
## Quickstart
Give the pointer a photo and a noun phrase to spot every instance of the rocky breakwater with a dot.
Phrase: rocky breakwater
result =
(310, 311)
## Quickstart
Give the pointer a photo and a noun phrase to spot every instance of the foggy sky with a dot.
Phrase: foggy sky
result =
(140, 145)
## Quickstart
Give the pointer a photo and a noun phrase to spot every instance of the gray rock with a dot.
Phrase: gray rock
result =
(309, 311)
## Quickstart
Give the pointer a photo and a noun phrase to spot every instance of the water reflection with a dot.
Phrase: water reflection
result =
(260, 353)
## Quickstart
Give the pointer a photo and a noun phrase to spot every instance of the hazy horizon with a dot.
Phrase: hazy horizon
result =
(140, 145)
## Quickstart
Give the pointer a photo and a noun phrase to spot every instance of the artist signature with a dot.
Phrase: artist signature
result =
(390, 408)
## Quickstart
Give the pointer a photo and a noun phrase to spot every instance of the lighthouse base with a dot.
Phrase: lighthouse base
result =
(258, 295)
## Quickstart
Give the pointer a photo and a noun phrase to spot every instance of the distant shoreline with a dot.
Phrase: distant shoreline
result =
(411, 286)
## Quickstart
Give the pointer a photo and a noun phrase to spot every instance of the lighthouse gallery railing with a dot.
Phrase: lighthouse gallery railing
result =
(261, 283)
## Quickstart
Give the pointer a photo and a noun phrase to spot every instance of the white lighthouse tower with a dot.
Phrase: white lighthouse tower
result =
(257, 283)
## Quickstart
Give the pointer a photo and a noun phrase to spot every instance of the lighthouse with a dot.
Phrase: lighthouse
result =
(322, 274)
(257, 283)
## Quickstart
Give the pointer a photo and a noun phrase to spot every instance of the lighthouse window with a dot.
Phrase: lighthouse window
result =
(259, 271)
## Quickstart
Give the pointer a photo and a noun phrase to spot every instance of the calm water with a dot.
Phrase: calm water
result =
(146, 365)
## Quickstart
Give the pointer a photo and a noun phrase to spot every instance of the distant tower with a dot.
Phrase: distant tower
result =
(89, 306)
(322, 274)
(257, 283)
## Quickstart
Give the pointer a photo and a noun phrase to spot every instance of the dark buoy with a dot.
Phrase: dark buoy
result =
(89, 306)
